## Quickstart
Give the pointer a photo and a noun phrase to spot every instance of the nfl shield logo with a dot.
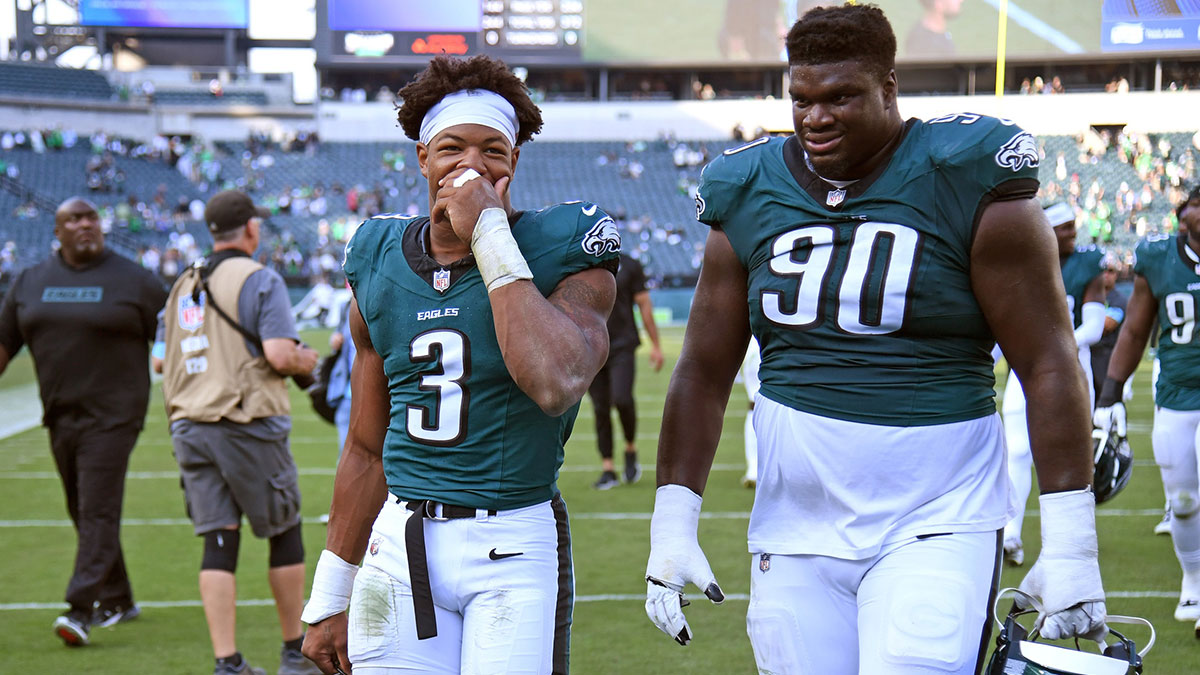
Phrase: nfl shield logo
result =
(441, 280)
(191, 314)
(375, 546)
(835, 197)
(764, 562)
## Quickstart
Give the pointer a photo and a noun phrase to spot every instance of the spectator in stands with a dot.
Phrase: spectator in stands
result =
(88, 317)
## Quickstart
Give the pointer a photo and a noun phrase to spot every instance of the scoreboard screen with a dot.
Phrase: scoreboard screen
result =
(410, 31)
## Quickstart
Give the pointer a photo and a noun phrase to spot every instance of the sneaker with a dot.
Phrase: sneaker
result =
(323, 519)
(244, 669)
(1014, 553)
(72, 630)
(1198, 629)
(1164, 526)
(749, 481)
(112, 616)
(633, 470)
(1187, 610)
(292, 662)
(607, 481)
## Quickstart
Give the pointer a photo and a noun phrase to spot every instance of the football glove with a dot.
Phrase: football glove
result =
(675, 561)
(1066, 576)
(1111, 418)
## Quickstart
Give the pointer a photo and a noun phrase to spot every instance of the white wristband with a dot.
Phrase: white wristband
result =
(332, 582)
(496, 252)
(1069, 524)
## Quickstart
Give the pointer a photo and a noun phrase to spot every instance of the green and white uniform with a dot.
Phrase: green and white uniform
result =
(462, 433)
(461, 430)
(1174, 280)
(861, 302)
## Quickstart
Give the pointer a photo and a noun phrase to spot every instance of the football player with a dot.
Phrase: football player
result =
(1166, 291)
(459, 410)
(1083, 278)
(877, 261)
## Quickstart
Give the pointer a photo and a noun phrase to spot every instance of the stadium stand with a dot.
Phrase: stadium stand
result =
(1123, 185)
(191, 97)
(40, 80)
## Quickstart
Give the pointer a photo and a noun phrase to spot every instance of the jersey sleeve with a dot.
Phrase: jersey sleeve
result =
(717, 194)
(595, 241)
(1148, 254)
(360, 253)
(993, 157)
(1093, 262)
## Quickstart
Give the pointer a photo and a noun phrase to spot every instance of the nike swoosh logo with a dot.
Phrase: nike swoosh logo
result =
(500, 556)
(589, 211)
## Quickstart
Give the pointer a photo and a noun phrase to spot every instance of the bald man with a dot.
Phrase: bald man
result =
(88, 317)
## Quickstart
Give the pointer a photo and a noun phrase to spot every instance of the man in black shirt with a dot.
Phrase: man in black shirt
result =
(613, 386)
(88, 316)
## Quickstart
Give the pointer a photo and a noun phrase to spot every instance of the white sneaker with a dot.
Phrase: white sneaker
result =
(1164, 526)
(1014, 553)
(1187, 610)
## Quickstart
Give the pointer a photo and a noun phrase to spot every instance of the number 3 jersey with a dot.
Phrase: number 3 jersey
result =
(461, 431)
(861, 298)
(1173, 273)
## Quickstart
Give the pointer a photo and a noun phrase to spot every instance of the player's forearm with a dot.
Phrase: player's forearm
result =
(647, 311)
(1131, 344)
(691, 427)
(551, 357)
(1059, 425)
(359, 491)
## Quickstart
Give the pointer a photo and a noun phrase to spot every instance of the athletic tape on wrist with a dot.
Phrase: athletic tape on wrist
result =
(676, 512)
(496, 252)
(1069, 524)
(332, 582)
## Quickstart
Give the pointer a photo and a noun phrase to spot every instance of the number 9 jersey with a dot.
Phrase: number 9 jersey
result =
(861, 297)
(461, 432)
(1173, 274)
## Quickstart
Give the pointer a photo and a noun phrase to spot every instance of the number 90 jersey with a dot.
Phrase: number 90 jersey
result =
(864, 309)
(1174, 281)
(461, 431)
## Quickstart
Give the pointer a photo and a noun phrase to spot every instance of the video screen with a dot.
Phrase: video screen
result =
(164, 13)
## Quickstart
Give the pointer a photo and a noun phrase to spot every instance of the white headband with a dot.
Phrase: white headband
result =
(471, 106)
(1059, 214)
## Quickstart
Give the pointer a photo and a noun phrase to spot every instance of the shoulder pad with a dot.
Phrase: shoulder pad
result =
(961, 138)
(1150, 252)
(722, 178)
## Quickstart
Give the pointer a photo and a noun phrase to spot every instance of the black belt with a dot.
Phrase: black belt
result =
(418, 565)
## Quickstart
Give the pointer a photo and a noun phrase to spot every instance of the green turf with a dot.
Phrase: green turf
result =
(611, 633)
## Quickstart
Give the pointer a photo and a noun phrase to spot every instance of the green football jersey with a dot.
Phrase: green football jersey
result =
(861, 297)
(1175, 283)
(461, 431)
(1078, 271)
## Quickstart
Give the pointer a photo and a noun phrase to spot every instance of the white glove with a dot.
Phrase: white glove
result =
(1066, 576)
(676, 560)
(1111, 418)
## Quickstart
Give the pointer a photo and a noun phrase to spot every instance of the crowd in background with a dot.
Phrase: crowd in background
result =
(313, 220)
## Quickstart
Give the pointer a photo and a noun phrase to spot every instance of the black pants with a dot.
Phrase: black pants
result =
(92, 466)
(613, 387)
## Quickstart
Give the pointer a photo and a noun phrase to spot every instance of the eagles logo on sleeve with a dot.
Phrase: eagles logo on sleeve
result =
(1019, 152)
(602, 238)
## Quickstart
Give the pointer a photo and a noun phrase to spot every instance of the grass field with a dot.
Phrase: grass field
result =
(611, 529)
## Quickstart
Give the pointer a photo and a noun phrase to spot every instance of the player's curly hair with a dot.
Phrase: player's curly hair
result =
(850, 32)
(446, 75)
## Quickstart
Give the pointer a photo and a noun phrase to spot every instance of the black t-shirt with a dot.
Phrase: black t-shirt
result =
(631, 280)
(89, 330)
